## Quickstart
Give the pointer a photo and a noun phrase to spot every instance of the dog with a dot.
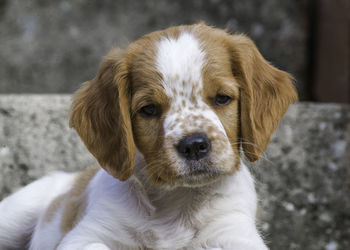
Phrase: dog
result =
(167, 119)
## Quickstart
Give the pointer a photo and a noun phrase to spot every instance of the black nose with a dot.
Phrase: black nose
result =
(194, 147)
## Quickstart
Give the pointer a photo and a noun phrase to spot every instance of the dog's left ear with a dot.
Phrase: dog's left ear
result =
(100, 113)
(265, 95)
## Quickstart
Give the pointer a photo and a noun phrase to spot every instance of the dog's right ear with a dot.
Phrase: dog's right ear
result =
(100, 113)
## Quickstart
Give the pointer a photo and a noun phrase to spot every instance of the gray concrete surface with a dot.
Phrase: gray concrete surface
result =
(54, 46)
(303, 180)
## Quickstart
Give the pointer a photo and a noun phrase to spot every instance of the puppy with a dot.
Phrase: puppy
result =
(166, 118)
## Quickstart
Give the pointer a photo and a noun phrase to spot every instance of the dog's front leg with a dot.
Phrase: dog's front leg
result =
(96, 246)
(242, 236)
(83, 246)
(92, 238)
(80, 239)
(233, 243)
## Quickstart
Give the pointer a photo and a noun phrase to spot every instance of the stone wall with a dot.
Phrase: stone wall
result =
(303, 179)
(54, 46)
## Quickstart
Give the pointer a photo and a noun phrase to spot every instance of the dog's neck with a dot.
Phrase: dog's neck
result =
(160, 200)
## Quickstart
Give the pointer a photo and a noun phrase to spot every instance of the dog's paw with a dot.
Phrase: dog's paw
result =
(96, 246)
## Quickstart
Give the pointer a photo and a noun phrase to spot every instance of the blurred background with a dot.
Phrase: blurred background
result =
(51, 47)
(54, 46)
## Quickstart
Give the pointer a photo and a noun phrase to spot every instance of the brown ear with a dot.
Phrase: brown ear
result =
(265, 92)
(101, 116)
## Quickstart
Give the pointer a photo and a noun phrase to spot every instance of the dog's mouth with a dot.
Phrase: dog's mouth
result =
(196, 179)
(198, 168)
(192, 174)
(198, 173)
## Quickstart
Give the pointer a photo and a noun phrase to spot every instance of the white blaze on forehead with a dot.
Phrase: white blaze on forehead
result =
(180, 60)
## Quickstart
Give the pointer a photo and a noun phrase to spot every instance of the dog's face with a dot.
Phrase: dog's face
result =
(186, 113)
(187, 98)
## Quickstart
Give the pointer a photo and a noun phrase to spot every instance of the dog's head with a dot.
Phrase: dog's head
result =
(187, 98)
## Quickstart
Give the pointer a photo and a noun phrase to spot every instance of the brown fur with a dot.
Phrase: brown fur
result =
(218, 79)
(73, 202)
(53, 207)
(266, 93)
(147, 89)
(101, 115)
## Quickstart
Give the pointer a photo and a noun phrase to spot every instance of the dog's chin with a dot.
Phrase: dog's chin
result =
(196, 180)
(193, 174)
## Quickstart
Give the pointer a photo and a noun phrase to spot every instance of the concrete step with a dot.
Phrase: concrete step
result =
(303, 178)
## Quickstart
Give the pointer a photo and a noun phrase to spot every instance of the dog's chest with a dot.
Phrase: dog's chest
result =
(174, 223)
(164, 236)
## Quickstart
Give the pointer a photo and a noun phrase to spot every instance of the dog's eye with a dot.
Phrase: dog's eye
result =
(221, 100)
(149, 110)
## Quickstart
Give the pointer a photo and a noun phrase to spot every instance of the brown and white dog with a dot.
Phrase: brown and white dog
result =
(166, 118)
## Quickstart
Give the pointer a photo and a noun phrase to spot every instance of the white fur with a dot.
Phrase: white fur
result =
(21, 211)
(180, 61)
(124, 215)
(51, 230)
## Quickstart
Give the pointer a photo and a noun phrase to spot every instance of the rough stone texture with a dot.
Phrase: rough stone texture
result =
(35, 139)
(303, 179)
(54, 46)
